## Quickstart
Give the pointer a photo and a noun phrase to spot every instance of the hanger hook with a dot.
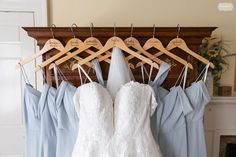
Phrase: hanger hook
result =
(114, 29)
(178, 26)
(132, 29)
(154, 30)
(20, 64)
(72, 30)
(53, 25)
(91, 29)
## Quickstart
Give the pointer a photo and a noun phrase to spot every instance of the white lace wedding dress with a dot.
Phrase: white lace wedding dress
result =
(123, 133)
(134, 105)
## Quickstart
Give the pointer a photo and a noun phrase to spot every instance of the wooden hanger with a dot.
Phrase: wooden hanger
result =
(71, 44)
(133, 42)
(94, 42)
(89, 42)
(116, 42)
(181, 44)
(49, 45)
(154, 42)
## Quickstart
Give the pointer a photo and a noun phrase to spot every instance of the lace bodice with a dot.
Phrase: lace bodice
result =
(126, 133)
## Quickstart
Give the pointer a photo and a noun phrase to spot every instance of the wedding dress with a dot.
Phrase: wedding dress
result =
(134, 105)
(119, 131)
(94, 106)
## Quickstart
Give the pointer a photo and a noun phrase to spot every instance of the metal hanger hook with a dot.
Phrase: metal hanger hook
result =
(91, 29)
(20, 64)
(72, 30)
(154, 30)
(178, 26)
(53, 25)
(114, 29)
(131, 31)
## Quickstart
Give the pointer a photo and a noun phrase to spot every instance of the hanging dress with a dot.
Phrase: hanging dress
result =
(68, 121)
(31, 117)
(49, 121)
(199, 98)
(134, 105)
(172, 131)
(160, 93)
(94, 106)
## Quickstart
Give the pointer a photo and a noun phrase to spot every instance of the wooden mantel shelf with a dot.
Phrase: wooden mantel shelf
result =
(42, 34)
(192, 35)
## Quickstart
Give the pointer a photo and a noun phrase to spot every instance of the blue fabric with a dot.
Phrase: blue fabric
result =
(173, 124)
(47, 114)
(160, 93)
(199, 98)
(68, 121)
(32, 120)
(168, 123)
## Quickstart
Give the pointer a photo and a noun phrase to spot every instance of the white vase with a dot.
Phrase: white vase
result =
(210, 83)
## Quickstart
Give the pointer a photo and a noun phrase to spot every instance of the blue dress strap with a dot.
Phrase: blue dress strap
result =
(183, 76)
(162, 74)
(25, 76)
(57, 71)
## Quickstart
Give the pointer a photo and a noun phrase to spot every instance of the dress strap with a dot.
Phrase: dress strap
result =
(57, 71)
(142, 71)
(80, 75)
(150, 74)
(183, 76)
(130, 72)
(80, 68)
(89, 70)
(23, 73)
(61, 74)
(203, 74)
(206, 71)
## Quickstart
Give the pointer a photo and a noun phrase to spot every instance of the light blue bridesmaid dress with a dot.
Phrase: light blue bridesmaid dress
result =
(47, 113)
(199, 98)
(40, 121)
(31, 117)
(160, 93)
(68, 121)
(172, 131)
(49, 121)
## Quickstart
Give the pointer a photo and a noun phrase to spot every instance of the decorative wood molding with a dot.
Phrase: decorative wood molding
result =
(220, 100)
(192, 35)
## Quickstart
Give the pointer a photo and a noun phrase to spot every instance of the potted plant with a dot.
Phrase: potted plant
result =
(214, 50)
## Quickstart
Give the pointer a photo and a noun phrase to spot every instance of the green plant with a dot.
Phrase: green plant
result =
(213, 49)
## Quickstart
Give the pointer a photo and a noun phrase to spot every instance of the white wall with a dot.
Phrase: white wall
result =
(147, 12)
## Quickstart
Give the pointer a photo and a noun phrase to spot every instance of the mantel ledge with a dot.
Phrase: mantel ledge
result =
(223, 100)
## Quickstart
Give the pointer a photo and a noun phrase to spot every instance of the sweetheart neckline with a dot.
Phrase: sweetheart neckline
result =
(124, 85)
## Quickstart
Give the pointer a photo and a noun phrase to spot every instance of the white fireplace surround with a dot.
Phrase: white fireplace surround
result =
(219, 119)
